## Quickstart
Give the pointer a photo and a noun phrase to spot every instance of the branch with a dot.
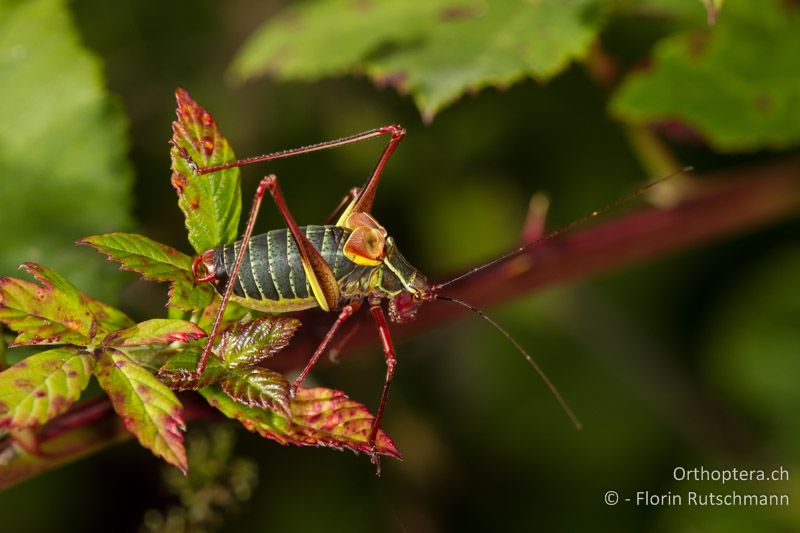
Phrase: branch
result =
(720, 205)
(88, 427)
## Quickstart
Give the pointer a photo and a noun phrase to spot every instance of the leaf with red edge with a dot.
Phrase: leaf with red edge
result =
(43, 386)
(190, 297)
(251, 385)
(156, 262)
(178, 372)
(147, 407)
(233, 313)
(105, 317)
(54, 312)
(248, 343)
(108, 318)
(327, 417)
(211, 203)
(266, 423)
(258, 387)
(322, 417)
(155, 331)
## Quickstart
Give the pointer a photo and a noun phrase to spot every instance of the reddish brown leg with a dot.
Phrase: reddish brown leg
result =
(319, 273)
(363, 204)
(346, 313)
(367, 195)
(393, 129)
(536, 220)
(346, 201)
(391, 361)
(262, 188)
(336, 349)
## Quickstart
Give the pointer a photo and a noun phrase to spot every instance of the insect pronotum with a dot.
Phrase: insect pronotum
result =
(338, 267)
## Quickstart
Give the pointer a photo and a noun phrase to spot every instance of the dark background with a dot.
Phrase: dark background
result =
(684, 361)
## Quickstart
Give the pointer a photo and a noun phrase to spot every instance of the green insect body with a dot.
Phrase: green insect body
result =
(272, 277)
(333, 267)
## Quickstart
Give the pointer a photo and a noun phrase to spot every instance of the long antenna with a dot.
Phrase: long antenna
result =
(575, 223)
(553, 389)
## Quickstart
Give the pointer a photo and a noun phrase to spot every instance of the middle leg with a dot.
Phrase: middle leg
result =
(347, 312)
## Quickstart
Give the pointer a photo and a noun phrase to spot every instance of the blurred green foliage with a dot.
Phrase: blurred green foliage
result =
(218, 484)
(435, 50)
(62, 148)
(747, 64)
(687, 361)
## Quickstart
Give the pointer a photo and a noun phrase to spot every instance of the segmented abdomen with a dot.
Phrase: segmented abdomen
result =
(272, 269)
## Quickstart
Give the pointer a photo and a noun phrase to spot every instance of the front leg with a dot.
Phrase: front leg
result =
(318, 272)
(248, 232)
(391, 361)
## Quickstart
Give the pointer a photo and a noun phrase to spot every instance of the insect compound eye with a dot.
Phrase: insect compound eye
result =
(203, 267)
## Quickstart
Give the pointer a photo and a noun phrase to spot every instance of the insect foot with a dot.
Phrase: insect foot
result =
(375, 458)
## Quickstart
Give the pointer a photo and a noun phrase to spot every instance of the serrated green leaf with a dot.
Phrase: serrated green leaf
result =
(258, 387)
(190, 296)
(105, 317)
(436, 50)
(63, 158)
(43, 386)
(108, 318)
(147, 407)
(54, 312)
(247, 343)
(178, 372)
(322, 417)
(211, 203)
(268, 424)
(51, 313)
(233, 313)
(156, 262)
(155, 331)
(151, 259)
(328, 38)
(150, 356)
(497, 45)
(736, 83)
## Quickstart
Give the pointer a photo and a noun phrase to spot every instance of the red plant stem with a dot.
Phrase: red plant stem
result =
(726, 204)
(89, 426)
(84, 414)
(719, 208)
(721, 205)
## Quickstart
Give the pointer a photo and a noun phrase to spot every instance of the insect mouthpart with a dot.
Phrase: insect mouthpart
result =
(206, 274)
(403, 307)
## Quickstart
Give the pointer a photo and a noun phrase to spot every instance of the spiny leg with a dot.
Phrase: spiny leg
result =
(363, 204)
(251, 221)
(335, 351)
(391, 361)
(347, 312)
(394, 130)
